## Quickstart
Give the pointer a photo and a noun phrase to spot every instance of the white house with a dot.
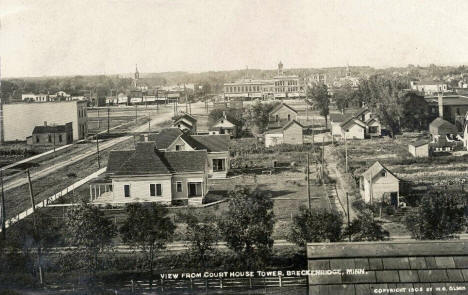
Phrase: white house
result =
(359, 125)
(148, 175)
(186, 122)
(224, 126)
(378, 184)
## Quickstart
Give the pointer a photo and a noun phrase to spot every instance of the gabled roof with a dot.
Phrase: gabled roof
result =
(185, 161)
(142, 160)
(335, 117)
(50, 129)
(165, 137)
(187, 124)
(211, 143)
(419, 143)
(145, 159)
(375, 169)
(361, 111)
(351, 122)
(278, 107)
(441, 127)
(223, 120)
(287, 125)
(188, 117)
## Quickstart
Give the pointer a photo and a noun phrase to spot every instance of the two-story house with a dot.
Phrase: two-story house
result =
(359, 125)
(146, 174)
(216, 146)
(290, 133)
(186, 122)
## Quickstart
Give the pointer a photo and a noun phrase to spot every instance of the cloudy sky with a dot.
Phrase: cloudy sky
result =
(70, 37)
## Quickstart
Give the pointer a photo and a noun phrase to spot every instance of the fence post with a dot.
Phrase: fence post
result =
(221, 283)
(191, 283)
(250, 282)
(280, 281)
(133, 287)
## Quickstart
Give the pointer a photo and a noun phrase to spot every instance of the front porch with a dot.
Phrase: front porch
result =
(101, 189)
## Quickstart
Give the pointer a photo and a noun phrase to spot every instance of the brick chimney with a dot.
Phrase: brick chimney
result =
(440, 101)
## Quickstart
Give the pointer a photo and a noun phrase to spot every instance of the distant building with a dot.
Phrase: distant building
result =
(224, 126)
(280, 86)
(19, 119)
(440, 128)
(378, 184)
(186, 122)
(359, 125)
(31, 97)
(419, 149)
(450, 107)
(51, 135)
(290, 133)
(280, 114)
(429, 87)
(148, 175)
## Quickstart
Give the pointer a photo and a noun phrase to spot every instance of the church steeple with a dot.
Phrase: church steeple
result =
(280, 69)
(137, 74)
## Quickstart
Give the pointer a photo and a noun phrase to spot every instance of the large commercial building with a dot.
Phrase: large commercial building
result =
(17, 120)
(280, 86)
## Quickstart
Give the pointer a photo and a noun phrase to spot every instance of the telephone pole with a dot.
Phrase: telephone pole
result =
(308, 182)
(346, 154)
(349, 219)
(36, 232)
(3, 208)
(97, 147)
(108, 120)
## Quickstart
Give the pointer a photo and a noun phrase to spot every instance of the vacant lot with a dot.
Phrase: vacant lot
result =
(393, 153)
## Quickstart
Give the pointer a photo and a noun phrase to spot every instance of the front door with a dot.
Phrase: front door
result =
(192, 189)
(394, 199)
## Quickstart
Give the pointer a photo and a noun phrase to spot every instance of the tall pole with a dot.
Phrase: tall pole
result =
(108, 120)
(346, 154)
(149, 123)
(323, 154)
(3, 208)
(308, 182)
(349, 219)
(36, 233)
(136, 114)
(97, 147)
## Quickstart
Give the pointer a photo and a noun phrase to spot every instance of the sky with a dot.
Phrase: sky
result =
(81, 37)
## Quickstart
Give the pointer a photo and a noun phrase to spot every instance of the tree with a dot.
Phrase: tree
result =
(318, 95)
(415, 112)
(366, 228)
(91, 233)
(202, 236)
(316, 225)
(258, 115)
(247, 226)
(441, 215)
(148, 228)
(343, 97)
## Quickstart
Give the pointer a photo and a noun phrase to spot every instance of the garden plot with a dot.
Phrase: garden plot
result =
(393, 153)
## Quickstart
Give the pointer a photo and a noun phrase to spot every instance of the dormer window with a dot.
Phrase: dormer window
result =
(384, 173)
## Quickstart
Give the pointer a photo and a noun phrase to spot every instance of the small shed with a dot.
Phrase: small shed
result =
(419, 148)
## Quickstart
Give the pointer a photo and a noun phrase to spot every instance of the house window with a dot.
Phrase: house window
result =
(155, 190)
(37, 139)
(384, 174)
(178, 147)
(127, 191)
(179, 186)
(218, 165)
(60, 137)
(50, 138)
(289, 117)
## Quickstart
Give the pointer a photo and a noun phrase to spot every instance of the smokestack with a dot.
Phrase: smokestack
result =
(45, 123)
(440, 101)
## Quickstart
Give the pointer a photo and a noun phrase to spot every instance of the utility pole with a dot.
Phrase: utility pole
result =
(308, 183)
(346, 154)
(149, 123)
(97, 147)
(349, 219)
(323, 155)
(136, 114)
(99, 119)
(3, 208)
(31, 195)
(108, 120)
